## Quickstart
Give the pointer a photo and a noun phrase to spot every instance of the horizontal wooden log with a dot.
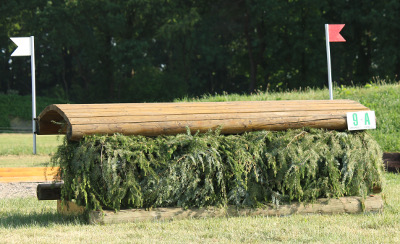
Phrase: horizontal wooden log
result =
(151, 119)
(34, 174)
(49, 191)
(231, 126)
(341, 205)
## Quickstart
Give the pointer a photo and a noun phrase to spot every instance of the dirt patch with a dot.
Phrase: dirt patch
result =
(18, 190)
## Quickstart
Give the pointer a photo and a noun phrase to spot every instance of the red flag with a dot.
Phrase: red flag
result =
(334, 33)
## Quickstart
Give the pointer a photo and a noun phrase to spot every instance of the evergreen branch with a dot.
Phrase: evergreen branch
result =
(216, 170)
(295, 138)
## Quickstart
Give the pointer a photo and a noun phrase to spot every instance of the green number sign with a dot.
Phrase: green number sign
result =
(361, 120)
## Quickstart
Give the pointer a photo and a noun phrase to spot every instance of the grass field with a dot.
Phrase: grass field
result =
(16, 150)
(22, 144)
(12, 161)
(28, 220)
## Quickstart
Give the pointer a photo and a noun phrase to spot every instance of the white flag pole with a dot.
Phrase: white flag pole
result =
(328, 56)
(33, 92)
(26, 47)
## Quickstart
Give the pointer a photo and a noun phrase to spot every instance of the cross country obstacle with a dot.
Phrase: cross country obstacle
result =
(153, 119)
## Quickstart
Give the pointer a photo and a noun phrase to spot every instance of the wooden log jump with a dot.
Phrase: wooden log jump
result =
(152, 119)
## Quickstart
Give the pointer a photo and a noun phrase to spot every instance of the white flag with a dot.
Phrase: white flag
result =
(24, 46)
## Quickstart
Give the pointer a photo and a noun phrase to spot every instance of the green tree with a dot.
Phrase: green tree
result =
(153, 50)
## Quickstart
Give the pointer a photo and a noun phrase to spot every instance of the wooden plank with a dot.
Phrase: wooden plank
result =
(28, 170)
(34, 174)
(203, 104)
(340, 205)
(234, 126)
(28, 173)
(266, 107)
(110, 113)
(28, 179)
(119, 118)
(188, 107)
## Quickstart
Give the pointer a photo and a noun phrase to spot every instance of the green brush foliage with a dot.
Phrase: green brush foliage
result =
(216, 170)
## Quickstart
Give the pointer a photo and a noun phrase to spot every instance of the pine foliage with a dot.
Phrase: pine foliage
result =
(198, 170)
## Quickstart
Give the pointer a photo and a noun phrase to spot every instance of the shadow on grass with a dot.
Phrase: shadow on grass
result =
(17, 220)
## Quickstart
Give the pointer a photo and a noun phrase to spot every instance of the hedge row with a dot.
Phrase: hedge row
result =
(16, 106)
(217, 170)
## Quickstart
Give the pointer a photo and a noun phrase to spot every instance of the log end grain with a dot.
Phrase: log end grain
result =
(49, 191)
(392, 162)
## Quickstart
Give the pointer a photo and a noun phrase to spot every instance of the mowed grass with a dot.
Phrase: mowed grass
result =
(16, 150)
(29, 220)
(22, 144)
(16, 161)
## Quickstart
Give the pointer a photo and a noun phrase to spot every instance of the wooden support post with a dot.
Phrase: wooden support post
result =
(69, 208)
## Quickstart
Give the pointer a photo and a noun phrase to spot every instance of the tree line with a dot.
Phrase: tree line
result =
(158, 50)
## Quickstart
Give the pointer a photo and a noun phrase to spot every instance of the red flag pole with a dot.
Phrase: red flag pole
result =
(332, 34)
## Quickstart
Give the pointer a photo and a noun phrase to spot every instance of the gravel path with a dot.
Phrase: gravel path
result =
(18, 190)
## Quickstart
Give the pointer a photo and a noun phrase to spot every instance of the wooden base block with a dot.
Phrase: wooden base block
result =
(392, 162)
(340, 205)
(69, 208)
